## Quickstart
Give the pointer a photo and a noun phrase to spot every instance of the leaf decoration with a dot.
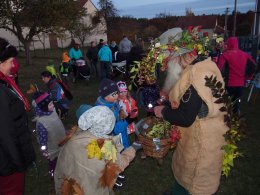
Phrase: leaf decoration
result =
(236, 125)
(144, 71)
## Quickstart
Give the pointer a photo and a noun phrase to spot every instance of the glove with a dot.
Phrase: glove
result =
(136, 146)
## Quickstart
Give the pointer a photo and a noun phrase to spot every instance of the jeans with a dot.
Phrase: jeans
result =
(94, 68)
(105, 69)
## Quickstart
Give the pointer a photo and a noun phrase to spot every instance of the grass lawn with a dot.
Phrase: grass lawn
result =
(144, 177)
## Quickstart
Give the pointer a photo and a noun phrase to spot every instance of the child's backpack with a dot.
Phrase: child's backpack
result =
(65, 89)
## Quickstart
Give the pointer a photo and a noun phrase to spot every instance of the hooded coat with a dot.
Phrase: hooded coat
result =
(120, 125)
(235, 64)
(74, 162)
(198, 157)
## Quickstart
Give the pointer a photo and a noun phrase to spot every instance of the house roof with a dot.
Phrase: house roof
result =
(207, 22)
(82, 2)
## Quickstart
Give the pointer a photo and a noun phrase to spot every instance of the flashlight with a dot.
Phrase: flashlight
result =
(150, 105)
(43, 147)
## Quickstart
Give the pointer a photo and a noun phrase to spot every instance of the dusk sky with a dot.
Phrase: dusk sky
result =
(149, 8)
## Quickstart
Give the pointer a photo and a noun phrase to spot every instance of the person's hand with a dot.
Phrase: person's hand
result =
(122, 114)
(158, 111)
(46, 154)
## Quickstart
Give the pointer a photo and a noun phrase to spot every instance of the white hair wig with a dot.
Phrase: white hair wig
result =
(173, 74)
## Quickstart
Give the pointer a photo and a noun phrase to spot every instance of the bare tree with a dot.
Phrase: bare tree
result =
(81, 30)
(27, 18)
(107, 10)
(189, 12)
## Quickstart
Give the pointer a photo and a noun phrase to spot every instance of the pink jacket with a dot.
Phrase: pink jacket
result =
(237, 61)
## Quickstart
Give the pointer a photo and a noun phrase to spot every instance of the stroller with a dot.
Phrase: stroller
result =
(82, 70)
(118, 64)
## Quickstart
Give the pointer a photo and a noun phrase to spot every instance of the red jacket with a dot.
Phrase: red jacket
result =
(237, 61)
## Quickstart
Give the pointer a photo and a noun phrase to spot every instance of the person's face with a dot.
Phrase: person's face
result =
(46, 79)
(111, 98)
(5, 67)
(51, 106)
(76, 46)
(93, 44)
(123, 95)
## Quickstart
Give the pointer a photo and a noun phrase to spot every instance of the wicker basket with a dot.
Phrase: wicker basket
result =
(148, 144)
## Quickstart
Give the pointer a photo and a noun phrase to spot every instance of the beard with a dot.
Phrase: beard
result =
(173, 74)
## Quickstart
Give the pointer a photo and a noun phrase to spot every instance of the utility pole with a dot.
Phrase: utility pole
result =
(256, 31)
(235, 19)
(226, 20)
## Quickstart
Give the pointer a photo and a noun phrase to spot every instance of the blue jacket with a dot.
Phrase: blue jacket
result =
(75, 54)
(105, 54)
(120, 125)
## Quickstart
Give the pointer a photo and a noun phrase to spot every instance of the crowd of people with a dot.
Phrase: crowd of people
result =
(91, 157)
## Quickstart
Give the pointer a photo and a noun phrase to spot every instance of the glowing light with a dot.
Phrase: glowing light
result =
(150, 105)
(43, 147)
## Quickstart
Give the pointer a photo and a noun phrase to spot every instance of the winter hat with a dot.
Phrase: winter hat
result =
(122, 86)
(107, 87)
(42, 99)
(99, 121)
(65, 57)
(83, 108)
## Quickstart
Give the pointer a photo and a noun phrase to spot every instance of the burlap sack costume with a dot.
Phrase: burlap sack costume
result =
(73, 162)
(197, 160)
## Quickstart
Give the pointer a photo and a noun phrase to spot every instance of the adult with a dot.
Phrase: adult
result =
(100, 44)
(236, 66)
(105, 57)
(14, 71)
(125, 46)
(198, 157)
(75, 54)
(93, 159)
(16, 149)
(60, 101)
(92, 55)
(136, 53)
(114, 48)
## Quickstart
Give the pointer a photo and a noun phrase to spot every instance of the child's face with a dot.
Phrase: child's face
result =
(46, 79)
(123, 95)
(50, 106)
(111, 98)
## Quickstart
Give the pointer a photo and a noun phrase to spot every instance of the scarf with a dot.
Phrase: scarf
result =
(10, 82)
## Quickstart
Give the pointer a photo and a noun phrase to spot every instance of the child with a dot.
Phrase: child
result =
(108, 91)
(51, 68)
(64, 67)
(57, 92)
(128, 104)
(49, 127)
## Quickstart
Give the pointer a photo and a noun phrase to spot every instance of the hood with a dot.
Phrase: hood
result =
(232, 43)
(99, 121)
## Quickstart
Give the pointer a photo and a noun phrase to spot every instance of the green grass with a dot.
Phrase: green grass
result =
(144, 177)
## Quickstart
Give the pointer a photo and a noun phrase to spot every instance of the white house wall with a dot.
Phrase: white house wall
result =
(98, 33)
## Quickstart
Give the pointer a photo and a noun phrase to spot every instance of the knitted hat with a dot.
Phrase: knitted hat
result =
(83, 108)
(122, 86)
(42, 100)
(107, 87)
